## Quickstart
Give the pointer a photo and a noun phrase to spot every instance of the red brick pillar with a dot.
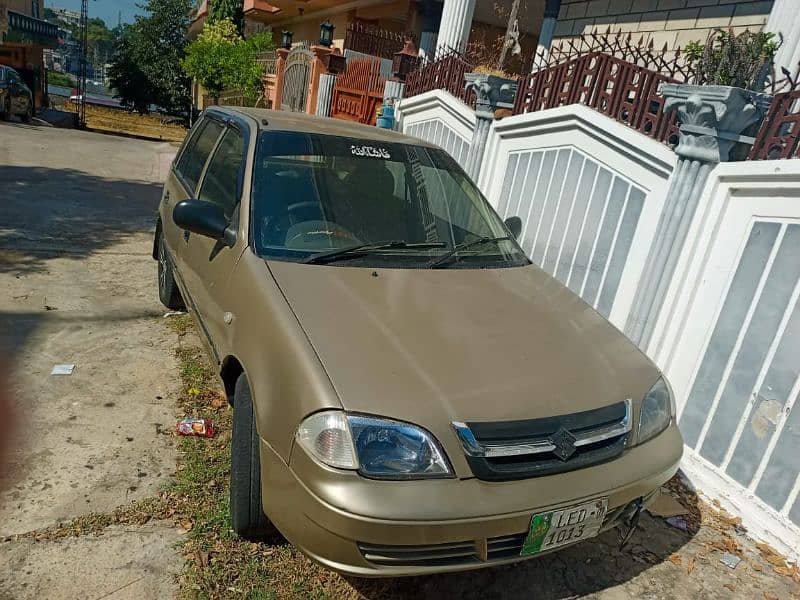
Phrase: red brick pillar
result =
(280, 68)
(318, 67)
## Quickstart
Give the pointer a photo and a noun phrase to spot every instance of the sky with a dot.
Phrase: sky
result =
(108, 10)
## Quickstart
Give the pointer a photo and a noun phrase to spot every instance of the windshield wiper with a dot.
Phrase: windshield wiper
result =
(448, 256)
(360, 249)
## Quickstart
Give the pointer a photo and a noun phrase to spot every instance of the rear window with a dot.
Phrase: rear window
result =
(197, 151)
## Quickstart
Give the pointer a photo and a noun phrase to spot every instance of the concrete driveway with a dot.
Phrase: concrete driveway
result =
(78, 286)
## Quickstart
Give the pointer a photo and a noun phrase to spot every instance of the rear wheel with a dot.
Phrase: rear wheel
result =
(168, 291)
(6, 115)
(247, 514)
(27, 115)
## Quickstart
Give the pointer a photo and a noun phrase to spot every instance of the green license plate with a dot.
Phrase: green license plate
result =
(564, 526)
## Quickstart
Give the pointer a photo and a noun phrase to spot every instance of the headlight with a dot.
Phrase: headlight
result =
(377, 448)
(658, 410)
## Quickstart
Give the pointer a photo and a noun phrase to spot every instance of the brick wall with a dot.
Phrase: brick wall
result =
(674, 22)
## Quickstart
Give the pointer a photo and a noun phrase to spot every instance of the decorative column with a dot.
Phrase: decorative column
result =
(431, 15)
(280, 69)
(318, 66)
(455, 25)
(491, 92)
(551, 11)
(713, 119)
(784, 22)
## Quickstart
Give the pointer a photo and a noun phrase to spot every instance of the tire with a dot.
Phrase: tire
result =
(6, 116)
(247, 514)
(27, 115)
(168, 291)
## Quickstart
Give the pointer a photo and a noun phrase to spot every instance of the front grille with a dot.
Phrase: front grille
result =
(508, 450)
(504, 547)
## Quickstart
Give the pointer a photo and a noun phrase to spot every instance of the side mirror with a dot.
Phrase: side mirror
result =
(205, 219)
(514, 225)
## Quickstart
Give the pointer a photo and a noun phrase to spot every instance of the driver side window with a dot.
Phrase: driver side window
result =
(222, 182)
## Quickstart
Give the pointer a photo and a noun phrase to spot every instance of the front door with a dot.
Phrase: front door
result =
(209, 263)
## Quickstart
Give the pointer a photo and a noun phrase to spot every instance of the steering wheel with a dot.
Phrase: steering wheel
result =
(310, 229)
(294, 213)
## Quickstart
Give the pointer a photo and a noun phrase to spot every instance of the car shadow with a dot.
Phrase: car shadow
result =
(586, 568)
(47, 213)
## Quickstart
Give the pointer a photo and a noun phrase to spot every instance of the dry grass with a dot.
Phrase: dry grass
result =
(114, 120)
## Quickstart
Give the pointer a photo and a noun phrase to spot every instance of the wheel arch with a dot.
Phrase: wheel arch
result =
(229, 372)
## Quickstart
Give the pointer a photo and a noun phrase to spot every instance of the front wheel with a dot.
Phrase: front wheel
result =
(247, 514)
(27, 116)
(6, 115)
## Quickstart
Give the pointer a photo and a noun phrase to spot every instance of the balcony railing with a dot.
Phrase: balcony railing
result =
(23, 29)
(371, 40)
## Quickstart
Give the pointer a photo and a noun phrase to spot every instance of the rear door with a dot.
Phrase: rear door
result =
(209, 263)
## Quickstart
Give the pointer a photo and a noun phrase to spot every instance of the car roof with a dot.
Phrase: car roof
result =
(279, 120)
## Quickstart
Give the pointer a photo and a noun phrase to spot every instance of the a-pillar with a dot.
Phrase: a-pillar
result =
(712, 119)
(318, 66)
(280, 69)
(455, 26)
(785, 24)
(431, 16)
(327, 81)
(551, 9)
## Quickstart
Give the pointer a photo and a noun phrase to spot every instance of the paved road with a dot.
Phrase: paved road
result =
(77, 286)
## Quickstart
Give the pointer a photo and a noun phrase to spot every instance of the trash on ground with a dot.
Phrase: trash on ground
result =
(62, 370)
(730, 560)
(666, 506)
(172, 313)
(678, 522)
(198, 427)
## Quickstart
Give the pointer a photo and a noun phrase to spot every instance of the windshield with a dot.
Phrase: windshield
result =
(401, 205)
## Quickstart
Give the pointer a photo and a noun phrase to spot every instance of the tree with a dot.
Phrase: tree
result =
(146, 67)
(128, 80)
(230, 10)
(220, 59)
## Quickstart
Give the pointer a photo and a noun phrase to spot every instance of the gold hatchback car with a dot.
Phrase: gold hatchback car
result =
(410, 394)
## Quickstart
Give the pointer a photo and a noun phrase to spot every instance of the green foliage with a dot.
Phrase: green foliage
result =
(146, 67)
(226, 10)
(219, 59)
(742, 60)
(62, 79)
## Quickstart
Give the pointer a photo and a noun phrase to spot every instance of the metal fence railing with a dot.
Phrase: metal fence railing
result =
(374, 41)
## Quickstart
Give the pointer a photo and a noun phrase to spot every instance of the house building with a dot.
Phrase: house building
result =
(23, 37)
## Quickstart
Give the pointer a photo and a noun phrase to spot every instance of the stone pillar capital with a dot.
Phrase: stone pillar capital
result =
(321, 52)
(282, 53)
(714, 119)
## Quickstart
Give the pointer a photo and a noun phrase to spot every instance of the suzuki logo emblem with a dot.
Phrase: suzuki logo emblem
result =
(564, 443)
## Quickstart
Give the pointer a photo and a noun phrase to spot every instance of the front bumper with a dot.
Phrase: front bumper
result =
(372, 528)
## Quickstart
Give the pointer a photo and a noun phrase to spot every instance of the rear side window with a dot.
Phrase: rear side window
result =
(197, 152)
(221, 184)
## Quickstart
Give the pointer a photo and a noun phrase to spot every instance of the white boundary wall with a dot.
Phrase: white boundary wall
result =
(440, 118)
(728, 339)
(590, 192)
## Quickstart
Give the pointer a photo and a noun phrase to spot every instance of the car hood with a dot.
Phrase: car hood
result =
(432, 346)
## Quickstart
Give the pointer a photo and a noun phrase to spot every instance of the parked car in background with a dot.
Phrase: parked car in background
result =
(410, 394)
(16, 98)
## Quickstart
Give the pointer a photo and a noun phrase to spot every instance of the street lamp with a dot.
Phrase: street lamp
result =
(326, 33)
(404, 61)
(286, 39)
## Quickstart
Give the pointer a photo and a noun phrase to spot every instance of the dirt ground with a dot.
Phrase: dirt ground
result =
(77, 286)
